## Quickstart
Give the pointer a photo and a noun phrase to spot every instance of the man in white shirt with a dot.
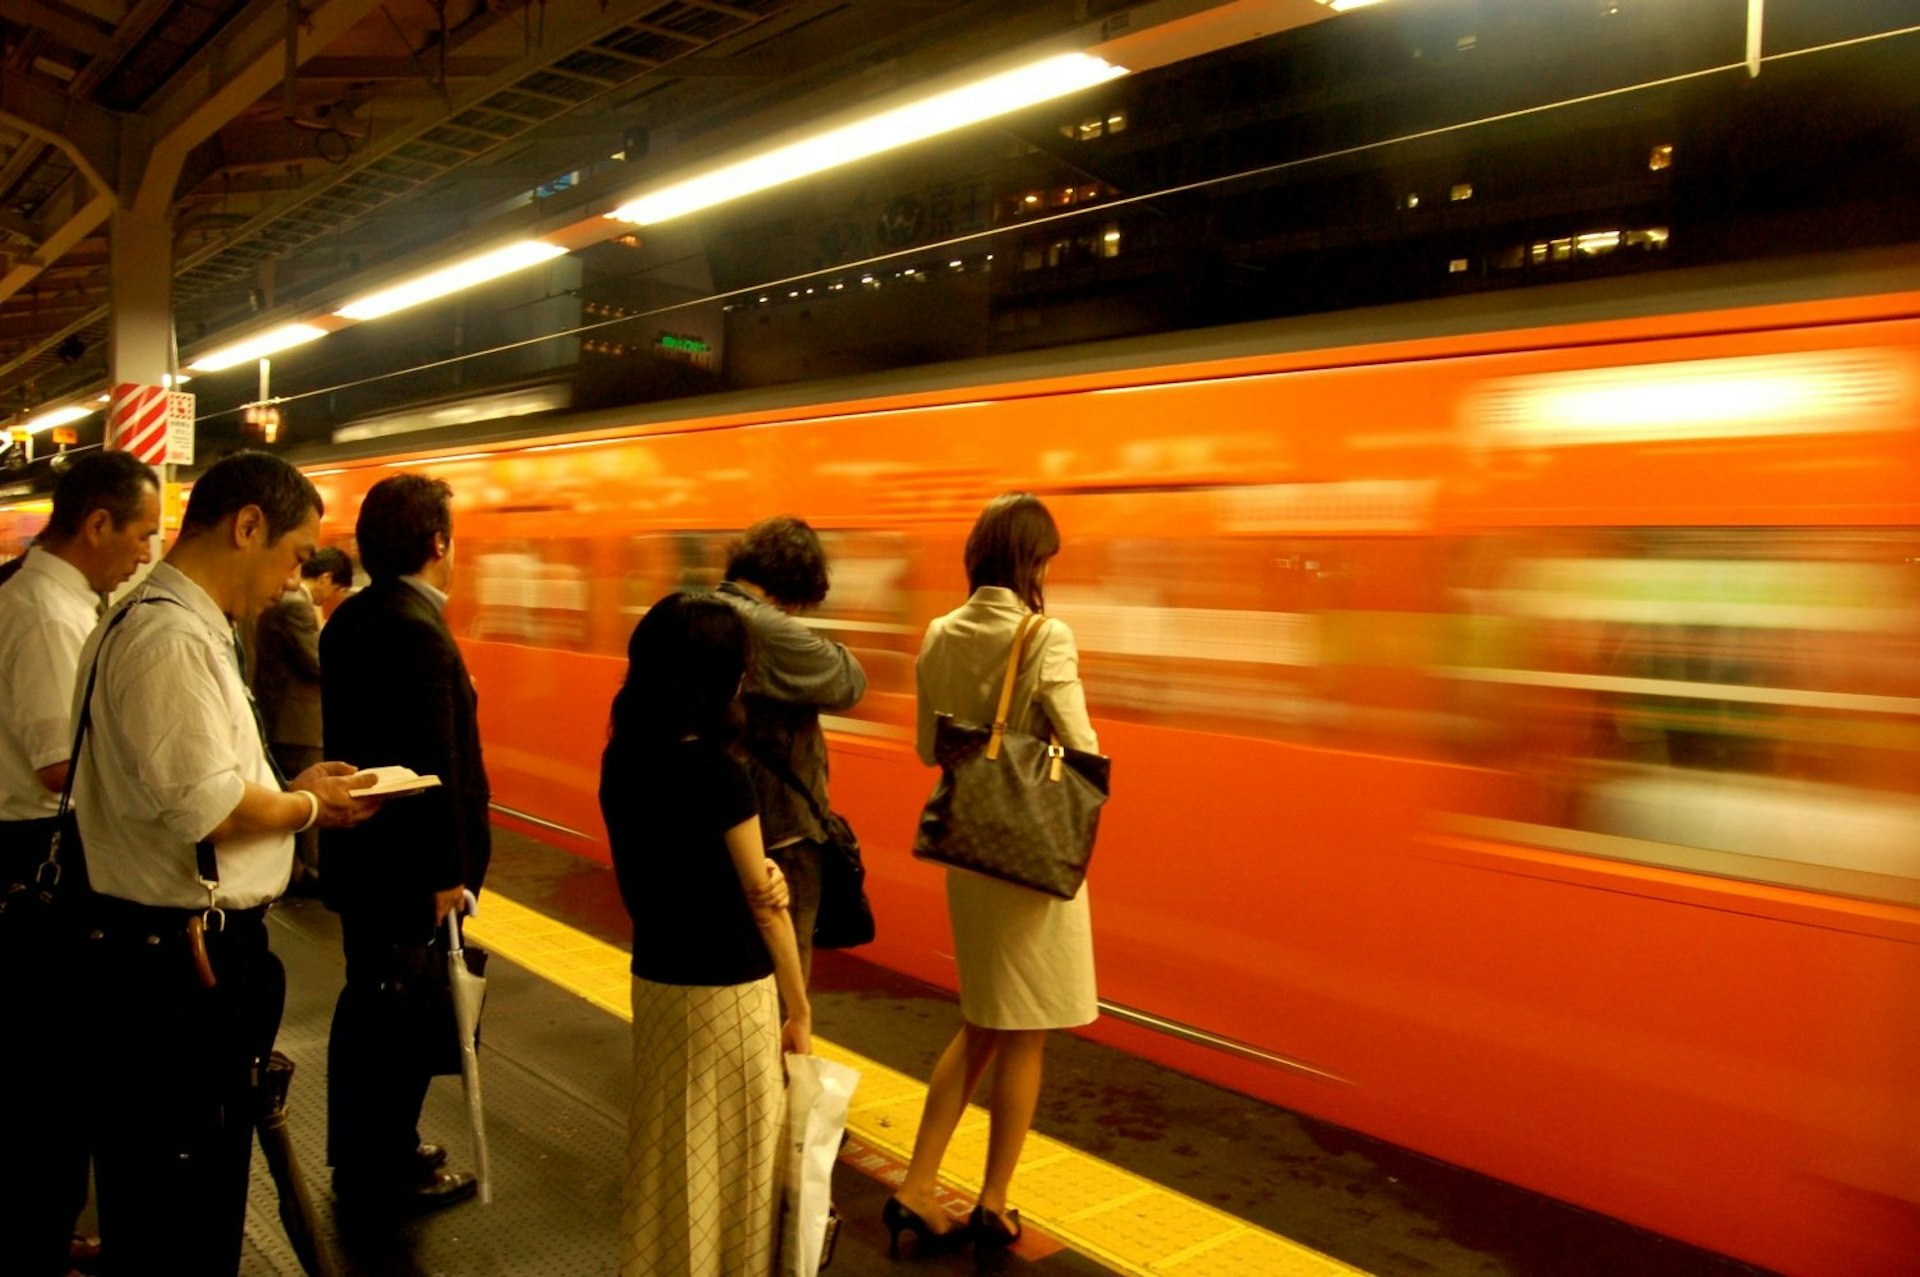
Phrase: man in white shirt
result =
(106, 510)
(189, 834)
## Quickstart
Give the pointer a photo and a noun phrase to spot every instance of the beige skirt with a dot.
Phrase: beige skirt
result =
(1025, 958)
(704, 1135)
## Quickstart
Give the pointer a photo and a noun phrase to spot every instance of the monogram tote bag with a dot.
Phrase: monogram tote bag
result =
(1010, 805)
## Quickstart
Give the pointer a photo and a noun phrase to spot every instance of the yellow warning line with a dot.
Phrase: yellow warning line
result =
(1125, 1221)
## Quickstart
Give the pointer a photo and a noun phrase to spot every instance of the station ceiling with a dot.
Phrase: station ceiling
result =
(297, 145)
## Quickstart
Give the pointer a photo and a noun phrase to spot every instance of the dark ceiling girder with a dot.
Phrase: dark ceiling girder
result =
(76, 33)
(89, 135)
(235, 70)
(359, 68)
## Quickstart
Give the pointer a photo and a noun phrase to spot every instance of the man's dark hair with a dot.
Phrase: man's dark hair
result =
(782, 556)
(399, 518)
(329, 561)
(260, 479)
(685, 660)
(1010, 545)
(110, 480)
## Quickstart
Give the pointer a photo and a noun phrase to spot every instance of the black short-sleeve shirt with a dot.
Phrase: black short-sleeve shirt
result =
(668, 808)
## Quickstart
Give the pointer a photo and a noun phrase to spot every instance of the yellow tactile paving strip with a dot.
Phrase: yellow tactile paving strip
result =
(1130, 1224)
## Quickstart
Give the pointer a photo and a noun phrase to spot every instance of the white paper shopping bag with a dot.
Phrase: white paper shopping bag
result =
(818, 1092)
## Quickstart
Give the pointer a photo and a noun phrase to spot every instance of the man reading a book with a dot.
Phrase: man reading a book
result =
(397, 694)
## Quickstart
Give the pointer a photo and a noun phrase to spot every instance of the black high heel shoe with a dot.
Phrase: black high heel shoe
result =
(994, 1230)
(899, 1219)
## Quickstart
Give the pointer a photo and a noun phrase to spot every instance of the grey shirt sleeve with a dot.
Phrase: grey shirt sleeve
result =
(798, 666)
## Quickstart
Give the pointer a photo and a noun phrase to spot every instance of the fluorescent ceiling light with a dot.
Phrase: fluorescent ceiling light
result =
(1341, 6)
(1024, 86)
(59, 417)
(271, 342)
(451, 279)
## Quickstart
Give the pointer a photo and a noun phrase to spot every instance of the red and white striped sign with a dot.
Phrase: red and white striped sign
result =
(137, 421)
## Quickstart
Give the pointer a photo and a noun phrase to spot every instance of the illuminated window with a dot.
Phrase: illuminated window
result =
(1461, 191)
(1648, 237)
(1660, 157)
(1110, 241)
(1458, 266)
(1410, 201)
(1466, 42)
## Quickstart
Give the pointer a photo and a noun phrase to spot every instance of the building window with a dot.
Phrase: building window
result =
(1410, 200)
(1110, 240)
(1660, 157)
(1461, 191)
(1458, 266)
(1094, 126)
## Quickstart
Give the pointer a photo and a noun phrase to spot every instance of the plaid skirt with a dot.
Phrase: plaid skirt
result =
(705, 1133)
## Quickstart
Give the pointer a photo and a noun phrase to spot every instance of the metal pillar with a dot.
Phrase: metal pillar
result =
(140, 298)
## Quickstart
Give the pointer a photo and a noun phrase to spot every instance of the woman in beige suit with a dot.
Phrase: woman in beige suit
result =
(1025, 958)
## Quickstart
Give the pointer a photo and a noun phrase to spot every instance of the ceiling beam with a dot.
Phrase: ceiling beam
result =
(24, 228)
(76, 212)
(232, 72)
(401, 68)
(76, 33)
(111, 12)
(26, 325)
(90, 135)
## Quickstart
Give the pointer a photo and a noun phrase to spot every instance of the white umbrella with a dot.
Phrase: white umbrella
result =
(467, 975)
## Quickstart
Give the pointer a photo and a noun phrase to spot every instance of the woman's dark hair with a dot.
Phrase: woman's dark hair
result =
(1009, 546)
(399, 518)
(782, 556)
(111, 480)
(329, 561)
(684, 665)
(260, 479)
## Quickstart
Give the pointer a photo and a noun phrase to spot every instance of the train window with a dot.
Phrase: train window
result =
(1737, 702)
(1312, 638)
(535, 591)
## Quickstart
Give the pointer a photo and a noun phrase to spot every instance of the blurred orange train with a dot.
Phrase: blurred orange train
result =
(1515, 703)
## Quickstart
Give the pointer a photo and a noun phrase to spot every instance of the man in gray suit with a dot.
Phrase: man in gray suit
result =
(286, 688)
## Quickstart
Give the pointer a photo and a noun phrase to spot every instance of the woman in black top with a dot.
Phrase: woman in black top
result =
(711, 941)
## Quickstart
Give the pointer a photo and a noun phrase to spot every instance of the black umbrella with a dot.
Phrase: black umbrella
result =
(271, 1079)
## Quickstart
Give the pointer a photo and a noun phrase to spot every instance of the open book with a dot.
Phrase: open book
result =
(392, 782)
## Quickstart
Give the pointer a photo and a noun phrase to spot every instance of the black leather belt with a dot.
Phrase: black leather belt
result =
(112, 916)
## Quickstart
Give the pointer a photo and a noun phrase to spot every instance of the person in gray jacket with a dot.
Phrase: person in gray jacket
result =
(776, 570)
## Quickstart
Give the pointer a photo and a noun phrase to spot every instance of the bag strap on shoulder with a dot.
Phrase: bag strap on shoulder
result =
(1029, 626)
(785, 775)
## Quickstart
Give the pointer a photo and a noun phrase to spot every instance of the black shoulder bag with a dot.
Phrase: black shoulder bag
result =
(845, 920)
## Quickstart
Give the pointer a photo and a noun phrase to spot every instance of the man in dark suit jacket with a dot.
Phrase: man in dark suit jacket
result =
(397, 692)
(286, 687)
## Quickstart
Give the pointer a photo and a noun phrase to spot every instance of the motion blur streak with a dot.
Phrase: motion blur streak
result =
(1518, 726)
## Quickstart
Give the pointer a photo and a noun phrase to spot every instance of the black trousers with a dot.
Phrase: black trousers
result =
(43, 1137)
(172, 1084)
(388, 1040)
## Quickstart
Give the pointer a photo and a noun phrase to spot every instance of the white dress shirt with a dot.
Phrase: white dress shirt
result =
(171, 748)
(46, 612)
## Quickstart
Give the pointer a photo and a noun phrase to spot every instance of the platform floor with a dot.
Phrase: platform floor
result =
(1145, 1170)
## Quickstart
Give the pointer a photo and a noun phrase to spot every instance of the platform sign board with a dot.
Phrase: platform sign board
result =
(180, 410)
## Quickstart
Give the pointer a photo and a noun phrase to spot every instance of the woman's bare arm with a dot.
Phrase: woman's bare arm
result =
(776, 929)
